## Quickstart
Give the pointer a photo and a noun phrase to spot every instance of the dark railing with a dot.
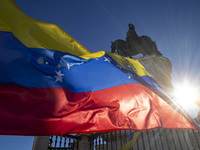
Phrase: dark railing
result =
(68, 142)
(160, 139)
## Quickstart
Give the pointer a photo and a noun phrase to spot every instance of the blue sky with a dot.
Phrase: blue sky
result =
(173, 24)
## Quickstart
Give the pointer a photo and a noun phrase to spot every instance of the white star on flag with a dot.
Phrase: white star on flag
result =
(107, 59)
(59, 76)
(129, 75)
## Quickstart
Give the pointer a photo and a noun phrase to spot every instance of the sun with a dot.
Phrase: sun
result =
(186, 94)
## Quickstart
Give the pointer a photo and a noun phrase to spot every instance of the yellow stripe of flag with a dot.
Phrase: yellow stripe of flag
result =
(36, 34)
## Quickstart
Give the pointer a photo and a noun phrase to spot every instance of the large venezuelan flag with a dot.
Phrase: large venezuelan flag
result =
(51, 85)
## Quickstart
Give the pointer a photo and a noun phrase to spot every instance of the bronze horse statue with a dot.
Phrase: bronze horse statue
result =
(119, 46)
(134, 45)
(150, 46)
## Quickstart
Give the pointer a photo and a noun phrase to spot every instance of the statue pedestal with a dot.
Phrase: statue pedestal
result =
(160, 68)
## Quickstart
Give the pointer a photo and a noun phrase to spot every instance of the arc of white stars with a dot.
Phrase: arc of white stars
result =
(59, 76)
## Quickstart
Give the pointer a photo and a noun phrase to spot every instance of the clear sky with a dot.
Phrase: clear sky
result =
(173, 24)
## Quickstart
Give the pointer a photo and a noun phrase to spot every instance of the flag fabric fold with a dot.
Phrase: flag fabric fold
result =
(50, 90)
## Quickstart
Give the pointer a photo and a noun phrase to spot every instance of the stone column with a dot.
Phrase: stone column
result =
(40, 143)
(83, 142)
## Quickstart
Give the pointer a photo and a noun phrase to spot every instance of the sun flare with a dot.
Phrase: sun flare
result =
(186, 94)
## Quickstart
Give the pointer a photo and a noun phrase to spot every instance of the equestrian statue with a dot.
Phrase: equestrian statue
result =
(134, 45)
